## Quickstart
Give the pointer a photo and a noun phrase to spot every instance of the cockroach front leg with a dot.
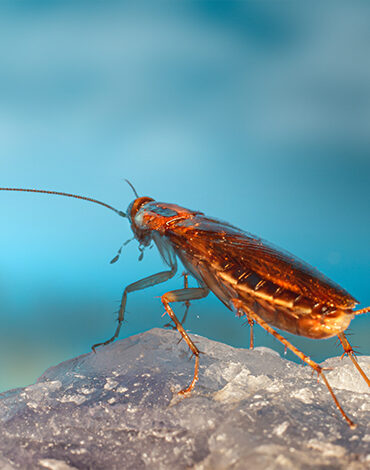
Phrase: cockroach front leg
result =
(239, 305)
(349, 351)
(149, 281)
(182, 295)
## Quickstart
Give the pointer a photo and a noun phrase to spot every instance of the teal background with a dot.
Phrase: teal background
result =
(257, 113)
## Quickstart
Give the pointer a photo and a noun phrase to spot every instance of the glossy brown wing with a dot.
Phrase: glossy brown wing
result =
(226, 248)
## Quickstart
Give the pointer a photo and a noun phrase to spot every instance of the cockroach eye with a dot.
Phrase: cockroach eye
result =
(268, 286)
(129, 209)
(139, 222)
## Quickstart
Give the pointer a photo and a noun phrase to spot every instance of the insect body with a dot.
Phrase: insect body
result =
(268, 286)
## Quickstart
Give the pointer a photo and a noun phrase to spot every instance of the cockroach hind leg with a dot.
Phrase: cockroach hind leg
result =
(348, 350)
(251, 335)
(238, 304)
(351, 424)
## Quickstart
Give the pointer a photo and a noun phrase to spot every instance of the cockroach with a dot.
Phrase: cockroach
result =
(268, 286)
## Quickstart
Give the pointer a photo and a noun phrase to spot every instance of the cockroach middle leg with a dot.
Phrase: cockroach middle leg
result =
(149, 281)
(238, 304)
(181, 295)
(187, 303)
(349, 351)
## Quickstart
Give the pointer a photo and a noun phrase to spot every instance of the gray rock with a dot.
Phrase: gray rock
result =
(118, 409)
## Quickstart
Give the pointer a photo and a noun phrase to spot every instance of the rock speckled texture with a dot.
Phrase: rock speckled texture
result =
(118, 409)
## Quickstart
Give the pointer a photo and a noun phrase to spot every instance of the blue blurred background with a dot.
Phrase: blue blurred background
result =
(257, 113)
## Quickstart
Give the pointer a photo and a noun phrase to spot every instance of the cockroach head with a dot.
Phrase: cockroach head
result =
(142, 234)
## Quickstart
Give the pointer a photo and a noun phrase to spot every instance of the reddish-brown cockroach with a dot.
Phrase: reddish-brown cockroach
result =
(270, 287)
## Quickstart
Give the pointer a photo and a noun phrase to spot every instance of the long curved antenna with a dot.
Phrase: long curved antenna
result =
(121, 213)
(132, 187)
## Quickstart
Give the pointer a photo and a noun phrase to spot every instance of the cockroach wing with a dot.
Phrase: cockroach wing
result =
(223, 248)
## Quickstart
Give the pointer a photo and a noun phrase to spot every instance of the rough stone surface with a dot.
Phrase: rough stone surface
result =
(118, 409)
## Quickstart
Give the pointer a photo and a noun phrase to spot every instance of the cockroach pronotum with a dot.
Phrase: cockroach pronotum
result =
(268, 286)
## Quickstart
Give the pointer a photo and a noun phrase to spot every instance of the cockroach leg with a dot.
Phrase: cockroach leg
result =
(251, 336)
(187, 304)
(250, 323)
(181, 295)
(238, 304)
(349, 351)
(149, 281)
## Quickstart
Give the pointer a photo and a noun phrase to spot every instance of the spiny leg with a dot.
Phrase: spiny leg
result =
(250, 323)
(181, 295)
(187, 304)
(349, 351)
(239, 305)
(149, 281)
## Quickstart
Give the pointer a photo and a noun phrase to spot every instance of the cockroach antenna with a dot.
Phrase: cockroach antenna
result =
(132, 187)
(270, 288)
(27, 190)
